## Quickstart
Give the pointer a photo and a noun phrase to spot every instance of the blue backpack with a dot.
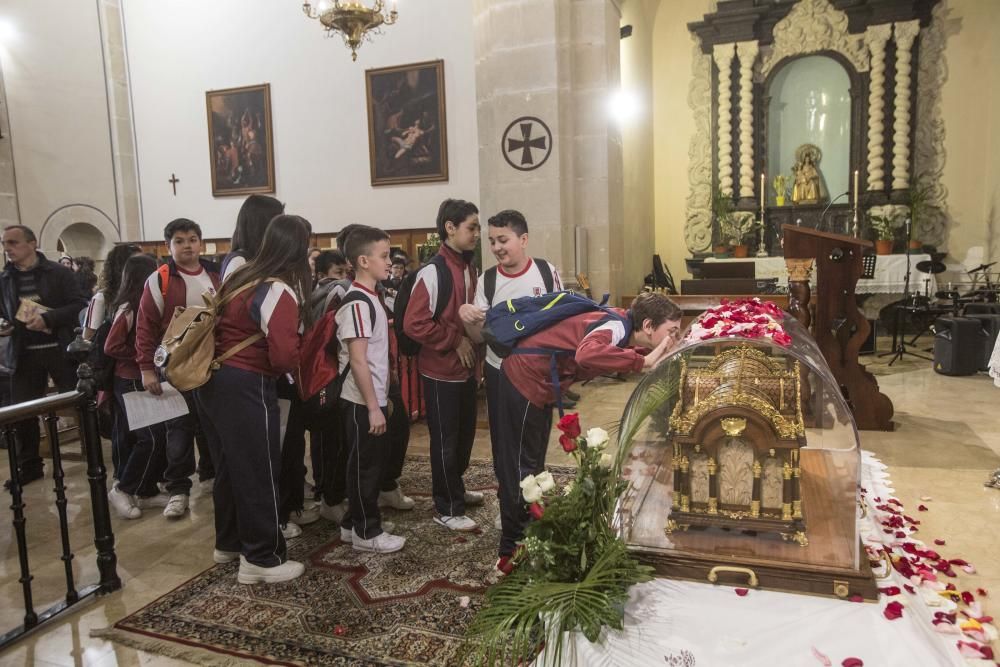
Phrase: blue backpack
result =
(510, 322)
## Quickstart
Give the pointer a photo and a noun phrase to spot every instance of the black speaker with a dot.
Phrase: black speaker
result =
(958, 345)
(991, 325)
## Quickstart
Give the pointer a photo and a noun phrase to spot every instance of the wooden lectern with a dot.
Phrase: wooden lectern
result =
(838, 327)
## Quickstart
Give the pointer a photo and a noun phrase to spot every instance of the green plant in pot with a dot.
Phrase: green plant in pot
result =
(884, 232)
(738, 228)
(920, 196)
(722, 207)
(780, 183)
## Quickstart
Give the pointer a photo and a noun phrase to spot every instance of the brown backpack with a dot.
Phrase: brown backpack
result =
(187, 354)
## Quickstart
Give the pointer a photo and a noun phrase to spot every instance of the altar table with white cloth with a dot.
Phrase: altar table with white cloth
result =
(687, 624)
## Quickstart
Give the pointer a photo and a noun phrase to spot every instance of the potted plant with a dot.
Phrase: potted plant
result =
(780, 184)
(738, 228)
(884, 231)
(723, 207)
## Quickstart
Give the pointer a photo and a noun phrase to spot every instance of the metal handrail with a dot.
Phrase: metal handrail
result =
(40, 406)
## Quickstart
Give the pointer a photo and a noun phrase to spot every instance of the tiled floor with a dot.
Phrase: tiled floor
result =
(945, 444)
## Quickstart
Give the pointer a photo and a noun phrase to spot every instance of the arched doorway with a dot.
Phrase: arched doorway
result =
(78, 230)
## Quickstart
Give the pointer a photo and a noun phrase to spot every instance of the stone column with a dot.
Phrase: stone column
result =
(9, 211)
(120, 120)
(723, 56)
(747, 53)
(557, 62)
(876, 38)
(905, 33)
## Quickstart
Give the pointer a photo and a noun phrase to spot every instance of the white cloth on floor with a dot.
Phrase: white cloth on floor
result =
(995, 363)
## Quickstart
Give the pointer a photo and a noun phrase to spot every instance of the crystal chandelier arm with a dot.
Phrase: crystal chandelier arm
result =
(308, 10)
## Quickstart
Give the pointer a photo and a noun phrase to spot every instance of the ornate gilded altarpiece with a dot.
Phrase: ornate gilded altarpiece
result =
(728, 481)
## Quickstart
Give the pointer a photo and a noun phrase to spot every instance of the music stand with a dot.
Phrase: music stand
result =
(899, 343)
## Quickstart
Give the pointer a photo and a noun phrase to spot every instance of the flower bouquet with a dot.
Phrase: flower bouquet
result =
(572, 571)
(746, 318)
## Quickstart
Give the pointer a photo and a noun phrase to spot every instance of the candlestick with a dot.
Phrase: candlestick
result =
(856, 188)
(762, 191)
(761, 250)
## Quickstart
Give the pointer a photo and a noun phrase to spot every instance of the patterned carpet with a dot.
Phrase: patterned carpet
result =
(349, 608)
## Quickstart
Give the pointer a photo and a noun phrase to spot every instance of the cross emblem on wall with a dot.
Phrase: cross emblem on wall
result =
(526, 143)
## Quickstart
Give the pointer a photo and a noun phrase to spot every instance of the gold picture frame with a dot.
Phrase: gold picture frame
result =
(240, 140)
(407, 123)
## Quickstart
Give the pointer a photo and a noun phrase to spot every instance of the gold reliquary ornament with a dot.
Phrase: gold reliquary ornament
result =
(736, 432)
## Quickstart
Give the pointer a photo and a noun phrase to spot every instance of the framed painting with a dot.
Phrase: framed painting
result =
(407, 138)
(241, 146)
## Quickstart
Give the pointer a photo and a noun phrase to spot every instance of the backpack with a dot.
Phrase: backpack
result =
(187, 353)
(407, 345)
(490, 279)
(510, 322)
(102, 365)
(318, 378)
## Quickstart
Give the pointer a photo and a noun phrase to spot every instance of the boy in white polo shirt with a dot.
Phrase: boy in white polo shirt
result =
(515, 275)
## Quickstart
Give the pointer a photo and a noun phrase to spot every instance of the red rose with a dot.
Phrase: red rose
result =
(536, 511)
(568, 443)
(570, 425)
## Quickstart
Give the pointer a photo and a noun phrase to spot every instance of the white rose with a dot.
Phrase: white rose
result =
(597, 438)
(545, 481)
(532, 494)
(606, 460)
(528, 481)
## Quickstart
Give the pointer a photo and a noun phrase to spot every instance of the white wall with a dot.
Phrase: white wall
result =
(54, 76)
(320, 123)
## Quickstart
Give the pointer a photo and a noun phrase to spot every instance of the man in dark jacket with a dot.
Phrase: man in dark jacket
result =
(49, 299)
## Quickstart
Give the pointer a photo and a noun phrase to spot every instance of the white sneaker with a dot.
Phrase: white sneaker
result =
(347, 535)
(255, 574)
(333, 513)
(460, 523)
(395, 499)
(308, 514)
(220, 556)
(473, 497)
(290, 530)
(498, 522)
(176, 506)
(123, 503)
(159, 500)
(383, 543)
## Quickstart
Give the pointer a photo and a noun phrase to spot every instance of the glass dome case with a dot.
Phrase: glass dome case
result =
(745, 460)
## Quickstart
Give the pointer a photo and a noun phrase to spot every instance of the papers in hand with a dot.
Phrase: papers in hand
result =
(144, 409)
(27, 310)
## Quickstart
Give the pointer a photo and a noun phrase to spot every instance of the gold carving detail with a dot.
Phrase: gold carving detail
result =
(734, 426)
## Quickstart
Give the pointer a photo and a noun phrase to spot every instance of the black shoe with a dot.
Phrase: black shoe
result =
(27, 477)
(571, 395)
(568, 405)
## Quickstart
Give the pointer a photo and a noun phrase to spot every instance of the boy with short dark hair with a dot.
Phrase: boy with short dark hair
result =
(526, 396)
(363, 332)
(447, 361)
(331, 265)
(178, 283)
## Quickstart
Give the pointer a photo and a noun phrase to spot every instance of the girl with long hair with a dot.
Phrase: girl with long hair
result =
(107, 288)
(257, 211)
(141, 465)
(262, 308)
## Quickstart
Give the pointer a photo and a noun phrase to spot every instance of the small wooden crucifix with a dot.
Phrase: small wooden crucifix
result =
(174, 181)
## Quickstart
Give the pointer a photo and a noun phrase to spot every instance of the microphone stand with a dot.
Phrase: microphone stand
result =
(822, 218)
(898, 336)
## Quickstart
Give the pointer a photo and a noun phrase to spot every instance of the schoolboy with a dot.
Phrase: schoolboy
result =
(526, 396)
(179, 283)
(364, 357)
(515, 275)
(447, 361)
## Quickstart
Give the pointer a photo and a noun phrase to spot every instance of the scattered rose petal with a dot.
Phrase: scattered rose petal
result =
(981, 592)
(742, 591)
(967, 597)
(921, 508)
(893, 610)
(909, 589)
(856, 598)
(463, 601)
(852, 662)
(823, 660)
(939, 542)
(926, 498)
(889, 590)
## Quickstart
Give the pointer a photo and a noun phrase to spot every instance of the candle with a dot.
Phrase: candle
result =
(855, 188)
(762, 190)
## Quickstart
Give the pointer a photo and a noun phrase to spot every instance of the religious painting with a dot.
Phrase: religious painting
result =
(407, 141)
(240, 140)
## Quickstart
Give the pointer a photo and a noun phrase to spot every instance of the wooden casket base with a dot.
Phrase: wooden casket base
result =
(820, 564)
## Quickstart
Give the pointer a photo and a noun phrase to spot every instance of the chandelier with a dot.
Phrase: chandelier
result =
(353, 20)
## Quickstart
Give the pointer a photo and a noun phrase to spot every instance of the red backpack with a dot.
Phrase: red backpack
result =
(318, 378)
